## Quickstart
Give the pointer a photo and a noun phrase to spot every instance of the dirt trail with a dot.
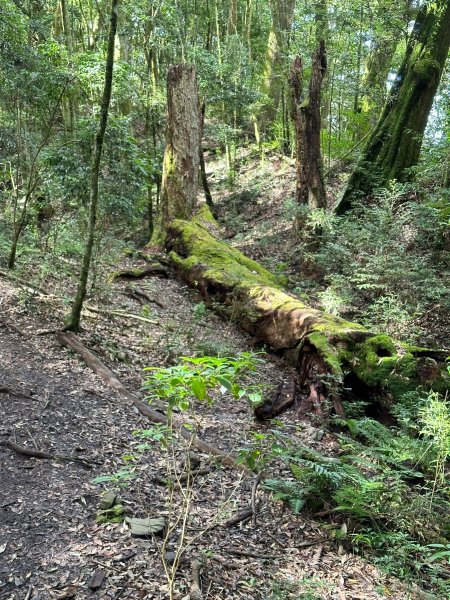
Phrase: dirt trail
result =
(50, 544)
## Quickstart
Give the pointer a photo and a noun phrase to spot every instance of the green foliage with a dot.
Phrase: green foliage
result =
(197, 377)
(384, 266)
(390, 483)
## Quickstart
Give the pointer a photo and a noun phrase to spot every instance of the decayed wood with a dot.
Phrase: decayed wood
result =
(47, 455)
(196, 590)
(283, 398)
(72, 342)
(150, 271)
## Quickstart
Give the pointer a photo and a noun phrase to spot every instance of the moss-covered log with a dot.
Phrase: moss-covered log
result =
(330, 354)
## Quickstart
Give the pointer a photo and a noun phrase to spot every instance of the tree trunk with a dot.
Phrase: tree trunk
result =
(206, 190)
(183, 139)
(378, 62)
(74, 319)
(310, 187)
(394, 146)
(282, 12)
(331, 355)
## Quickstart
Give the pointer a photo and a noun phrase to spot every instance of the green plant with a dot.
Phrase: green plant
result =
(195, 378)
(199, 311)
(435, 427)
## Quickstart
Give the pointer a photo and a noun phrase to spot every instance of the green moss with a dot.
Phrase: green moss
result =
(116, 514)
(222, 263)
(328, 353)
(204, 214)
(427, 70)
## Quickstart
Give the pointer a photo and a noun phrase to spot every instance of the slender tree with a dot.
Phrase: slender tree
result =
(310, 188)
(394, 146)
(74, 319)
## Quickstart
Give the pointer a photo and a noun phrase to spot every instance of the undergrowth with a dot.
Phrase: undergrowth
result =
(389, 485)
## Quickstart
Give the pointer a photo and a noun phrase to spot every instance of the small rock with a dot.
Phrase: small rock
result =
(146, 527)
(169, 557)
(319, 435)
(96, 580)
(115, 514)
(108, 500)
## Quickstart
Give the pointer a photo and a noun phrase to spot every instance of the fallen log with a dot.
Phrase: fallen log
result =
(334, 358)
(72, 342)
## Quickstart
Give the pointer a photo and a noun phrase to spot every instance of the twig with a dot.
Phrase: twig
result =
(13, 328)
(7, 390)
(253, 503)
(140, 295)
(32, 439)
(252, 554)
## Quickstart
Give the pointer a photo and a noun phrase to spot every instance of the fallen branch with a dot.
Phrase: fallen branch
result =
(7, 390)
(72, 342)
(142, 296)
(241, 516)
(252, 554)
(48, 455)
(119, 313)
(13, 327)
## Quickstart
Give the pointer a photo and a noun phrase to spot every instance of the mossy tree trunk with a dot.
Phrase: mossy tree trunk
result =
(394, 146)
(310, 186)
(282, 12)
(330, 354)
(183, 138)
(73, 322)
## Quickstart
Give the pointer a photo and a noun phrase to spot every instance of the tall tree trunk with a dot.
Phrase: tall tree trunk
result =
(310, 187)
(74, 319)
(282, 12)
(394, 146)
(183, 138)
(378, 63)
(206, 190)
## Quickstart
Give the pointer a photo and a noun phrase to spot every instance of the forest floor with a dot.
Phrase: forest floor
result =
(50, 543)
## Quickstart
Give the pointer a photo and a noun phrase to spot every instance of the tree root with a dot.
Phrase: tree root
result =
(142, 297)
(48, 455)
(72, 342)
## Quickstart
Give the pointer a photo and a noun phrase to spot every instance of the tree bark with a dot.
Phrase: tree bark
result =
(74, 319)
(310, 186)
(282, 12)
(205, 184)
(331, 355)
(394, 146)
(183, 139)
